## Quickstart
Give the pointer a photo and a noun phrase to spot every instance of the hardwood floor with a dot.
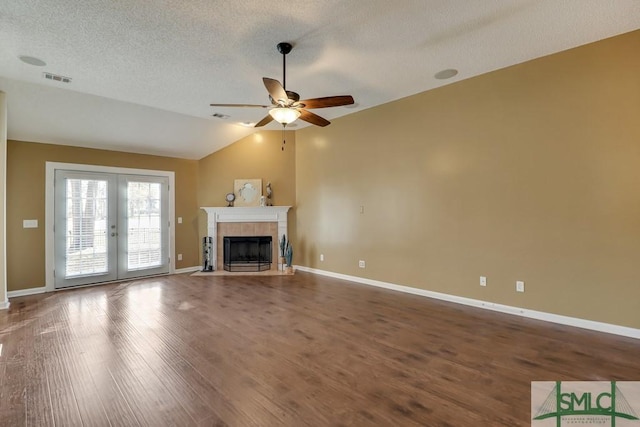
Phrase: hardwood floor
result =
(281, 351)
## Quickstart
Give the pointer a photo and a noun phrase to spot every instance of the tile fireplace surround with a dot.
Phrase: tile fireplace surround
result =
(243, 221)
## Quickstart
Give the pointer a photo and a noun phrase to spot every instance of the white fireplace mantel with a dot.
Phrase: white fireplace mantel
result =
(245, 214)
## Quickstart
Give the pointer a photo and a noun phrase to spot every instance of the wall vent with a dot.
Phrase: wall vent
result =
(56, 77)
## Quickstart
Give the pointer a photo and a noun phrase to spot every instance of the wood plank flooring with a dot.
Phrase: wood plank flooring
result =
(299, 350)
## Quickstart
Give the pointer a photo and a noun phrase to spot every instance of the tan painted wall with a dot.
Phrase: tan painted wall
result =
(26, 200)
(527, 173)
(255, 156)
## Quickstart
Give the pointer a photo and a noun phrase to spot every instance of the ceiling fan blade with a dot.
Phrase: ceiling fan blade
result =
(276, 90)
(313, 118)
(328, 101)
(241, 105)
(267, 119)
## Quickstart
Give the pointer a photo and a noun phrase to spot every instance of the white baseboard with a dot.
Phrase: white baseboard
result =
(518, 311)
(187, 270)
(43, 289)
(4, 305)
(25, 292)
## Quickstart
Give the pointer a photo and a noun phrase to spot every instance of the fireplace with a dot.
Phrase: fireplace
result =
(247, 253)
(245, 221)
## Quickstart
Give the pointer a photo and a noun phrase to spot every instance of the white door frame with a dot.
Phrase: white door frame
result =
(51, 167)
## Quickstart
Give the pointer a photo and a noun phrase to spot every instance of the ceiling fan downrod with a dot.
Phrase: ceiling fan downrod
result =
(284, 48)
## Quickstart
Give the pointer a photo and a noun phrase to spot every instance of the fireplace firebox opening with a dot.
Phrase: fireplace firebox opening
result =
(247, 253)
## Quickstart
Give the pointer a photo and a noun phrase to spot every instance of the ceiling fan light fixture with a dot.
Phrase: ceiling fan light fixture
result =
(284, 115)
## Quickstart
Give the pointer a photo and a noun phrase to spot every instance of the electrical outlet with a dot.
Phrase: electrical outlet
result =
(361, 264)
(519, 286)
(179, 220)
(321, 257)
(179, 257)
(483, 281)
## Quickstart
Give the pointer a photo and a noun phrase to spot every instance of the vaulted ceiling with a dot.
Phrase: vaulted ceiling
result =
(143, 73)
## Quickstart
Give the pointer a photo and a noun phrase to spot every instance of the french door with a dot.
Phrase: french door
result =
(109, 226)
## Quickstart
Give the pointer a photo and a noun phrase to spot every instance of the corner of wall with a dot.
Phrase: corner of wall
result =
(4, 303)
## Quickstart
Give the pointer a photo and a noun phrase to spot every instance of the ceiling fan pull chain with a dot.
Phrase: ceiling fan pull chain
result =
(283, 140)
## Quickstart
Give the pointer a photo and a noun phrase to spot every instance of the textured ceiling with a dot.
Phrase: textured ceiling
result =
(145, 71)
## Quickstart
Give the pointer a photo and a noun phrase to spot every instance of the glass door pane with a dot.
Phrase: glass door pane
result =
(86, 237)
(144, 245)
(144, 225)
(84, 228)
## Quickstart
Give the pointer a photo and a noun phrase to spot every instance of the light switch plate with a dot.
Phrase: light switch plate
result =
(29, 223)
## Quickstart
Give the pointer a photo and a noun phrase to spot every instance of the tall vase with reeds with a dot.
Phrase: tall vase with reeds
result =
(283, 248)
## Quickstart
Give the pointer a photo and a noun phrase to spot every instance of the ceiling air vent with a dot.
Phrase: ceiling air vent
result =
(220, 116)
(56, 77)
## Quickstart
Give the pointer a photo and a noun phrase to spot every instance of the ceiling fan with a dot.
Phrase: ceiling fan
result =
(286, 106)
